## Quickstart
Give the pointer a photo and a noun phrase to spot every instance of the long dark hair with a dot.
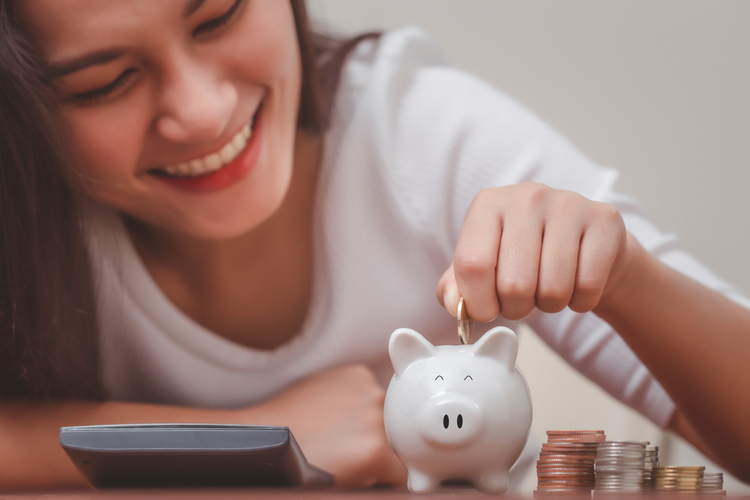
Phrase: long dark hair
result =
(48, 327)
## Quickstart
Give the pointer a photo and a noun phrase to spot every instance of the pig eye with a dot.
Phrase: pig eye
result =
(439, 377)
(468, 376)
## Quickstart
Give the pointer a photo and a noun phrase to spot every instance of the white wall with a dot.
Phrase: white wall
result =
(659, 89)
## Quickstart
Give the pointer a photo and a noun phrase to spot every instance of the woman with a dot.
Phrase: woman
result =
(247, 267)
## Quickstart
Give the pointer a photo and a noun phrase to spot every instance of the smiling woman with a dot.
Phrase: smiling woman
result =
(157, 110)
(48, 309)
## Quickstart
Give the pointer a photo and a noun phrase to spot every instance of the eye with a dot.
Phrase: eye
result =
(96, 95)
(468, 376)
(439, 377)
(220, 21)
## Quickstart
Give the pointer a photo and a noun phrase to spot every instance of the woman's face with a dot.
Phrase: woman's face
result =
(183, 112)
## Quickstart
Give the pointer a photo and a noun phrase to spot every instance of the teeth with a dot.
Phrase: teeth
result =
(228, 152)
(214, 161)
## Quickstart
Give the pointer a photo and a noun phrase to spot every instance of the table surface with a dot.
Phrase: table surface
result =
(320, 494)
(244, 493)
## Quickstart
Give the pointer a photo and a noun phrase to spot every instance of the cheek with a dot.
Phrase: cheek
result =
(107, 140)
(268, 50)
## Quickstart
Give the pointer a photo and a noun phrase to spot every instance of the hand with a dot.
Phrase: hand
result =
(337, 419)
(528, 245)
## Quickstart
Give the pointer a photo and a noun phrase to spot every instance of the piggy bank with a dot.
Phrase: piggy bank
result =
(457, 412)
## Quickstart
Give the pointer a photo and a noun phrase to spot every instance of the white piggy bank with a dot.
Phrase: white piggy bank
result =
(457, 412)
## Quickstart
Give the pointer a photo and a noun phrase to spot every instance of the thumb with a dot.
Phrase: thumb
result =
(447, 291)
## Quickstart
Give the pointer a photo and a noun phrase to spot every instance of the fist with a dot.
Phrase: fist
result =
(527, 246)
(337, 418)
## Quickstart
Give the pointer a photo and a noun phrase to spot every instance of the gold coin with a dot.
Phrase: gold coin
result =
(465, 323)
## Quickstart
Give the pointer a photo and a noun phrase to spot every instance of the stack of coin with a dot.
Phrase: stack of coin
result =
(713, 482)
(619, 466)
(650, 461)
(566, 462)
(677, 479)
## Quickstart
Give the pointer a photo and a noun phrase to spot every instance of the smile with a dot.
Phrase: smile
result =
(221, 169)
(213, 161)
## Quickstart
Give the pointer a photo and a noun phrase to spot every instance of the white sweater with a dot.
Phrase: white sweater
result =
(413, 141)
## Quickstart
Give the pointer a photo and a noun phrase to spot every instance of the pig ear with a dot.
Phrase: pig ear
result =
(407, 346)
(499, 343)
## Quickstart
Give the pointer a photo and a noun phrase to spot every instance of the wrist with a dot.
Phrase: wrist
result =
(626, 277)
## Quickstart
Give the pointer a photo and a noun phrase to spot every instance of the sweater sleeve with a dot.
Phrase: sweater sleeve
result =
(450, 136)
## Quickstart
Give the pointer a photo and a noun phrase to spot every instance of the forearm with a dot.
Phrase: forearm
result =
(31, 454)
(696, 343)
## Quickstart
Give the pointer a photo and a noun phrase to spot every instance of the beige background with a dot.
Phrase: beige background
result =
(659, 89)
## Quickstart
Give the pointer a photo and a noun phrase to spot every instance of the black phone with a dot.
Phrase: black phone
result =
(189, 455)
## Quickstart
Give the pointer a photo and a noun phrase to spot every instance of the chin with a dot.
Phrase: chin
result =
(231, 223)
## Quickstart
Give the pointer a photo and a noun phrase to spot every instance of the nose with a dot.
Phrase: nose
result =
(452, 421)
(195, 104)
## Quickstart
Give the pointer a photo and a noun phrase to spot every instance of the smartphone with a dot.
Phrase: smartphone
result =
(189, 455)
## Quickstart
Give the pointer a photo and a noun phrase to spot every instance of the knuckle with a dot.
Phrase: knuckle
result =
(551, 307)
(472, 267)
(586, 295)
(516, 288)
(535, 193)
(553, 297)
(609, 215)
(588, 287)
(517, 310)
(581, 305)
(554, 292)
(570, 202)
(484, 197)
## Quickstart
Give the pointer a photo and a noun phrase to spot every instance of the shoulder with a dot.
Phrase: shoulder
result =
(405, 68)
(412, 102)
(437, 135)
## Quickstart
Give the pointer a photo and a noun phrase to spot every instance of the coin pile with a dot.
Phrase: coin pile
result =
(619, 466)
(713, 482)
(566, 462)
(650, 461)
(678, 478)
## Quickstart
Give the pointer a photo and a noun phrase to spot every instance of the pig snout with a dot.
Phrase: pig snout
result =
(451, 422)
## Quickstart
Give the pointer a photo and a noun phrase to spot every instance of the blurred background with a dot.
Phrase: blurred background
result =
(659, 89)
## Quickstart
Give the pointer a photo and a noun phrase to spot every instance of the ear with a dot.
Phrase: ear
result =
(407, 346)
(499, 343)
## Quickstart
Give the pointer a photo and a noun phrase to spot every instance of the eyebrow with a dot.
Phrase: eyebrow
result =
(68, 66)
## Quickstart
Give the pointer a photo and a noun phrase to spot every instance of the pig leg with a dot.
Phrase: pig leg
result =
(420, 482)
(492, 482)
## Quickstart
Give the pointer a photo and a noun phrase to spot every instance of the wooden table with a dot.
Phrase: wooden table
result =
(249, 493)
(322, 494)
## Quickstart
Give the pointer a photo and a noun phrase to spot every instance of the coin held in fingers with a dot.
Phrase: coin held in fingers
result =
(465, 323)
